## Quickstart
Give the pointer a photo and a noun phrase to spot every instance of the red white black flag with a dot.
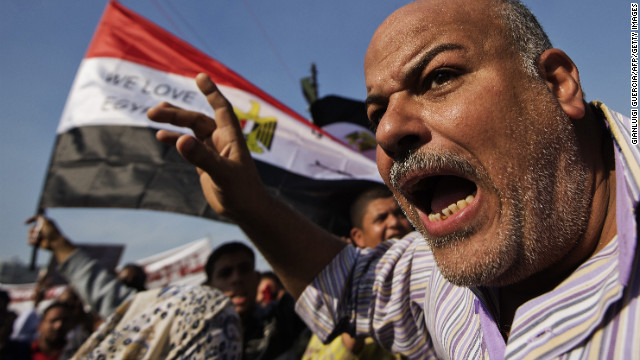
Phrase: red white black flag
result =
(106, 154)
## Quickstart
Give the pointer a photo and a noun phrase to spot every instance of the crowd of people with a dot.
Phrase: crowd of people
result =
(524, 198)
(247, 314)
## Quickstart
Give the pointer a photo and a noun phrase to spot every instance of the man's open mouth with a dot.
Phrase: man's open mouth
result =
(442, 196)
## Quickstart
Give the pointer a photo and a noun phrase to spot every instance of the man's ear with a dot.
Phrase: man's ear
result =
(561, 76)
(356, 237)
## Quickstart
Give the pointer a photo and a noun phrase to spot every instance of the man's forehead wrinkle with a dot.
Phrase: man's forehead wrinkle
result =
(403, 38)
(389, 50)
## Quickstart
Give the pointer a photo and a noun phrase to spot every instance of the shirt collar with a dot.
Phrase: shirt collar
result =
(627, 158)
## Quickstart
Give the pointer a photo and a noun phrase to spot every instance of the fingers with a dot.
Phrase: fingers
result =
(194, 151)
(34, 235)
(201, 125)
(197, 153)
(225, 117)
(43, 233)
(218, 150)
(211, 92)
(31, 220)
(168, 137)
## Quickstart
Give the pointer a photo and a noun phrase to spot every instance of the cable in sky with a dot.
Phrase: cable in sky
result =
(201, 40)
(271, 45)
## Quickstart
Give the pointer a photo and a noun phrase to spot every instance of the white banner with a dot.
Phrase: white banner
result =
(181, 265)
(184, 264)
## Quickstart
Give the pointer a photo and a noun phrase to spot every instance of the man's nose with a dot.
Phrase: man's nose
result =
(402, 128)
(235, 275)
(393, 221)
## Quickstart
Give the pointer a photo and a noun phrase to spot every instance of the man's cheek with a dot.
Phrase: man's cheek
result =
(384, 164)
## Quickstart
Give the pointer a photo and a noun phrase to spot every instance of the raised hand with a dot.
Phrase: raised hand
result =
(296, 248)
(228, 176)
(46, 235)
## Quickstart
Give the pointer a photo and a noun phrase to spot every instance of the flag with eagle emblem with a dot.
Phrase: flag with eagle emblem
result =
(106, 154)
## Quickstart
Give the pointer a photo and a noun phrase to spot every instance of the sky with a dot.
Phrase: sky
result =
(270, 43)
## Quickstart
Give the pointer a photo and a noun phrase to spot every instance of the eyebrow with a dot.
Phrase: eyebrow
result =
(417, 68)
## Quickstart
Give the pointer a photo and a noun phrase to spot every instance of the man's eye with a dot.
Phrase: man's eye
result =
(225, 273)
(438, 78)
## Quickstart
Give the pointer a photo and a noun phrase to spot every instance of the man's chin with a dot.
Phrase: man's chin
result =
(242, 305)
(239, 300)
(468, 275)
(392, 236)
(474, 262)
(57, 342)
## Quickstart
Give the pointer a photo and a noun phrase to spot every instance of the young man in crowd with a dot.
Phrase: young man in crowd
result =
(270, 289)
(268, 332)
(376, 217)
(56, 322)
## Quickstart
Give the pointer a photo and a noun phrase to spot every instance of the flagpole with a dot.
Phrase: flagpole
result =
(41, 211)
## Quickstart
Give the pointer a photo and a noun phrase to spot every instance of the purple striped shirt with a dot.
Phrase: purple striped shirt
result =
(396, 294)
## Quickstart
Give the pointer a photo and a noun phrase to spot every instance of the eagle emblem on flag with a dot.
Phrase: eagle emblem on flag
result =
(362, 140)
(258, 131)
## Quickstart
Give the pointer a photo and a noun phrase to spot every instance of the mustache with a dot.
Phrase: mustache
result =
(433, 163)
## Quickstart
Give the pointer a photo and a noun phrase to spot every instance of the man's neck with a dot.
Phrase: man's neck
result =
(249, 314)
(601, 226)
(50, 348)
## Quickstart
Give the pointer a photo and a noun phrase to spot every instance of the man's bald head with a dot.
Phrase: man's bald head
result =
(522, 29)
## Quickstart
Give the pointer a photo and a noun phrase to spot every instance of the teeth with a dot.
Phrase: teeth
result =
(451, 209)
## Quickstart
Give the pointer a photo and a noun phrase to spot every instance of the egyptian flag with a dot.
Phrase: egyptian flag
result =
(346, 120)
(106, 154)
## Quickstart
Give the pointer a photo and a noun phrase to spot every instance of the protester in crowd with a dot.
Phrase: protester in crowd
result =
(52, 333)
(81, 321)
(25, 328)
(169, 323)
(97, 286)
(175, 322)
(270, 288)
(523, 194)
(375, 217)
(133, 276)
(268, 333)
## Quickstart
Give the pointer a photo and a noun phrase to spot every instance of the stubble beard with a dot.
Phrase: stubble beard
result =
(542, 216)
(551, 211)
